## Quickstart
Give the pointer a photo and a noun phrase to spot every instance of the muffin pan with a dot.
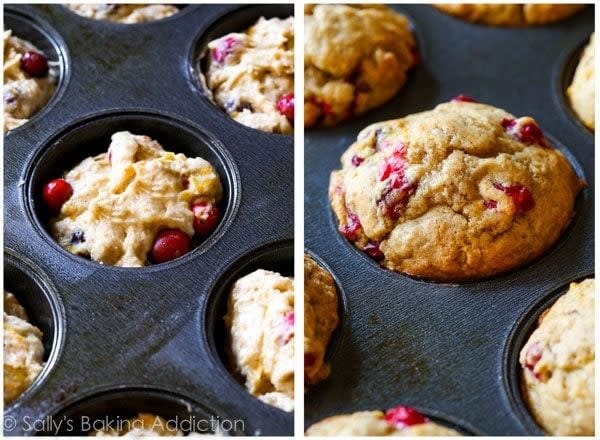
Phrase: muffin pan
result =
(450, 349)
(131, 340)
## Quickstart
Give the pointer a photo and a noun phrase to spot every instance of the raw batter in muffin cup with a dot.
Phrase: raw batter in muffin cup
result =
(123, 13)
(23, 349)
(134, 205)
(260, 325)
(404, 421)
(250, 75)
(29, 81)
(558, 364)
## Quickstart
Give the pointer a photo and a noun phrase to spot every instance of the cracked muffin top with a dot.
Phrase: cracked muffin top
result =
(356, 57)
(461, 192)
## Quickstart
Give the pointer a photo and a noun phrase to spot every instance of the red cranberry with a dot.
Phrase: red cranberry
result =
(356, 161)
(528, 133)
(289, 319)
(490, 204)
(170, 244)
(326, 108)
(393, 165)
(521, 196)
(34, 64)
(373, 251)
(403, 416)
(352, 228)
(225, 47)
(285, 106)
(55, 193)
(462, 98)
(309, 360)
(206, 217)
(508, 123)
(532, 357)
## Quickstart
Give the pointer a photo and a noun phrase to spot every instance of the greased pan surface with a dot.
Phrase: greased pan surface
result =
(449, 350)
(130, 340)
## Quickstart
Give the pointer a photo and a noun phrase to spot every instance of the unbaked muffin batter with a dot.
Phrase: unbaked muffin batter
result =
(123, 13)
(123, 198)
(582, 90)
(460, 192)
(260, 322)
(251, 75)
(400, 421)
(23, 350)
(320, 319)
(23, 94)
(558, 364)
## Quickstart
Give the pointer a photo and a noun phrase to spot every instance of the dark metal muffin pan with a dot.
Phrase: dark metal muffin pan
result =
(449, 349)
(136, 339)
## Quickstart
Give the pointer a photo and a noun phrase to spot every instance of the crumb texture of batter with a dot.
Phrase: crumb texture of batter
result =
(250, 75)
(375, 423)
(461, 192)
(558, 364)
(23, 349)
(260, 323)
(123, 13)
(505, 14)
(124, 197)
(356, 57)
(320, 319)
(582, 91)
(23, 94)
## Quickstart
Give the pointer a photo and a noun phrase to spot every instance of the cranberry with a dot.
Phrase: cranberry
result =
(490, 204)
(393, 165)
(520, 196)
(462, 98)
(309, 360)
(35, 64)
(326, 108)
(352, 228)
(528, 132)
(285, 105)
(289, 319)
(403, 416)
(532, 357)
(287, 327)
(206, 217)
(356, 161)
(170, 244)
(373, 251)
(225, 47)
(508, 123)
(55, 193)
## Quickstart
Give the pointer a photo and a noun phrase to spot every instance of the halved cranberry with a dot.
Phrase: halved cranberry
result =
(285, 106)
(34, 64)
(528, 133)
(490, 204)
(352, 228)
(508, 123)
(521, 196)
(462, 98)
(309, 360)
(373, 251)
(395, 197)
(394, 164)
(170, 244)
(403, 416)
(206, 217)
(356, 161)
(225, 46)
(532, 357)
(55, 193)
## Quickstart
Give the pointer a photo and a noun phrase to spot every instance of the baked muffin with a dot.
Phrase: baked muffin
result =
(122, 13)
(320, 319)
(250, 75)
(582, 91)
(29, 81)
(461, 192)
(134, 205)
(400, 421)
(23, 349)
(558, 364)
(260, 325)
(505, 14)
(356, 57)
